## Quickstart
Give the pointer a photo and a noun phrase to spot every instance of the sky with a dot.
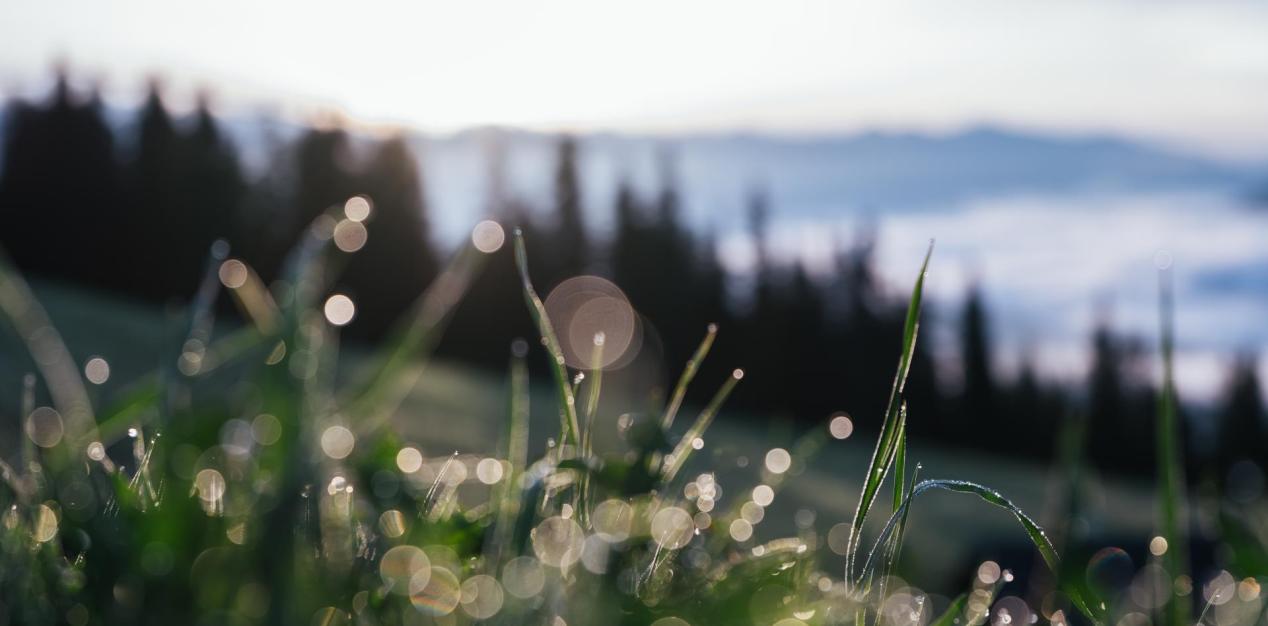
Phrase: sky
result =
(1193, 75)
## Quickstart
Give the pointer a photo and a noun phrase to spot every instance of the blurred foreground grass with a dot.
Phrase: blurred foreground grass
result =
(258, 475)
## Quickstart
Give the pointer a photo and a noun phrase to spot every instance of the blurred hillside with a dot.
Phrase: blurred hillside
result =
(135, 204)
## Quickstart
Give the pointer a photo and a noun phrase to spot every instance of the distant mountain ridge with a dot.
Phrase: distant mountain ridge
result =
(804, 176)
(815, 176)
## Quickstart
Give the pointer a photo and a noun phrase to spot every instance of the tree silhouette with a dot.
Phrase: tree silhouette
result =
(979, 395)
(397, 261)
(493, 315)
(59, 188)
(1121, 405)
(214, 191)
(568, 253)
(325, 177)
(153, 180)
(811, 343)
(1241, 418)
(185, 190)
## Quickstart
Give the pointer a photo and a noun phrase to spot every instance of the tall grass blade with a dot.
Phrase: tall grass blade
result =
(1170, 466)
(506, 499)
(900, 458)
(886, 444)
(593, 390)
(396, 366)
(202, 314)
(517, 418)
(688, 373)
(683, 450)
(894, 545)
(52, 359)
(255, 302)
(570, 431)
(895, 549)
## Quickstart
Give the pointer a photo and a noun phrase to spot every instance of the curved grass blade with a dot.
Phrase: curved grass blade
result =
(886, 444)
(570, 431)
(1036, 534)
(688, 373)
(53, 360)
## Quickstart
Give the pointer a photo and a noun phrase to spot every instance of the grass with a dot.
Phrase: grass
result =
(245, 482)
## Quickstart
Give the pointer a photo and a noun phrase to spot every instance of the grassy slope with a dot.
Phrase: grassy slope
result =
(458, 408)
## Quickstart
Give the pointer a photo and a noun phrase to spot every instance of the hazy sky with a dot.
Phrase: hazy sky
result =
(1195, 74)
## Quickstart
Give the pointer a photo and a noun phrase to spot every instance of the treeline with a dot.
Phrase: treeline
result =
(137, 212)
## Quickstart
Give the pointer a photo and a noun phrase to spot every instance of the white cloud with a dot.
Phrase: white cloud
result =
(1196, 74)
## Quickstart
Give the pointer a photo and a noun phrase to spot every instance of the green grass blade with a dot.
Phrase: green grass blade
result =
(517, 419)
(396, 366)
(52, 359)
(593, 388)
(518, 404)
(505, 498)
(304, 271)
(896, 543)
(570, 431)
(954, 610)
(1170, 465)
(688, 373)
(683, 450)
(900, 458)
(886, 443)
(1037, 535)
(895, 548)
(255, 302)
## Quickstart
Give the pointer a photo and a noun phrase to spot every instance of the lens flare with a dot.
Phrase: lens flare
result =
(523, 577)
(439, 596)
(45, 524)
(481, 596)
(596, 326)
(97, 370)
(357, 208)
(763, 495)
(612, 519)
(350, 236)
(557, 541)
(778, 461)
(337, 442)
(489, 471)
(233, 273)
(404, 566)
(392, 523)
(672, 528)
(409, 460)
(44, 427)
(841, 427)
(488, 236)
(339, 309)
